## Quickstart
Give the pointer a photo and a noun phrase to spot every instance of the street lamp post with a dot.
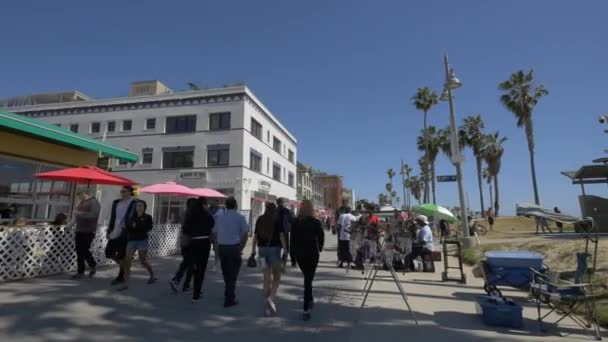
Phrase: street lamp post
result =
(451, 82)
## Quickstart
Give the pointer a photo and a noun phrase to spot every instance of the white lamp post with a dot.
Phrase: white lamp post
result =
(451, 83)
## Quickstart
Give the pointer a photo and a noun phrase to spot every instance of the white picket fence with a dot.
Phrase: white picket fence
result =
(27, 252)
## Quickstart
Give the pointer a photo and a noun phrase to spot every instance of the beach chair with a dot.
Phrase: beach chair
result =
(566, 298)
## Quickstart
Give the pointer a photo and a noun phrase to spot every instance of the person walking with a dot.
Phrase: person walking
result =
(490, 217)
(269, 238)
(230, 233)
(85, 219)
(345, 222)
(542, 223)
(308, 241)
(138, 227)
(116, 234)
(558, 224)
(186, 265)
(286, 218)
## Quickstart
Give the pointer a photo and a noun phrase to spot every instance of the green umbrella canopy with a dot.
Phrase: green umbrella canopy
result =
(437, 211)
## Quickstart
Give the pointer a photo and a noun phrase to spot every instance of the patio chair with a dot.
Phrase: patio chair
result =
(565, 298)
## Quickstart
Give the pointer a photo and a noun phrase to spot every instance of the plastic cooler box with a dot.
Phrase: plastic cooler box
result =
(496, 311)
(514, 259)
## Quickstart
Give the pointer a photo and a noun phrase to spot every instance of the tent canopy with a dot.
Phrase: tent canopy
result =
(588, 174)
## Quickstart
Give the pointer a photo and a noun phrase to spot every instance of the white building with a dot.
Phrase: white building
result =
(223, 138)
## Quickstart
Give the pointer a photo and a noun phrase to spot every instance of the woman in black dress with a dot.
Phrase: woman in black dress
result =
(138, 227)
(308, 238)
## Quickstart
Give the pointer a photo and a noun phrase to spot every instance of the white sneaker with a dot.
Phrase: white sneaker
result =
(272, 306)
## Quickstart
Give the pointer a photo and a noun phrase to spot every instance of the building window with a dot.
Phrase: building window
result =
(95, 127)
(74, 128)
(218, 155)
(276, 172)
(150, 123)
(267, 165)
(255, 160)
(219, 121)
(268, 136)
(276, 144)
(181, 124)
(290, 179)
(57, 124)
(126, 125)
(111, 126)
(178, 157)
(122, 162)
(291, 156)
(256, 128)
(146, 156)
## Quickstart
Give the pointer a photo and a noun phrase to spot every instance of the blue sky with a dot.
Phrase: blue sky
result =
(340, 74)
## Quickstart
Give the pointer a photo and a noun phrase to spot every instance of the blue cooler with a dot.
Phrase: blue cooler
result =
(500, 311)
(514, 259)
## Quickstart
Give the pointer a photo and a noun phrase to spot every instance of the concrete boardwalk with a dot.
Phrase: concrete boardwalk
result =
(58, 309)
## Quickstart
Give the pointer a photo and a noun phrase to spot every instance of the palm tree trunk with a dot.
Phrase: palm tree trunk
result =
(428, 164)
(433, 182)
(530, 138)
(478, 160)
(491, 197)
(496, 199)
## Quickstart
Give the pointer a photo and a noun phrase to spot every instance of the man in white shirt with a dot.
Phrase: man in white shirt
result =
(424, 241)
(345, 222)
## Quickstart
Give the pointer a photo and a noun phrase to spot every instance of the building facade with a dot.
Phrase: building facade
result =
(347, 197)
(309, 187)
(332, 190)
(223, 138)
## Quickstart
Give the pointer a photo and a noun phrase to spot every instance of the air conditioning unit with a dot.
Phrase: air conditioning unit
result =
(193, 175)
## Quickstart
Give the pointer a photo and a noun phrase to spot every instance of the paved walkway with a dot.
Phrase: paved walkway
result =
(58, 309)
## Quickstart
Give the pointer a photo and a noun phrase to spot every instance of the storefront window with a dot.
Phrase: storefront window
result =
(24, 196)
(169, 209)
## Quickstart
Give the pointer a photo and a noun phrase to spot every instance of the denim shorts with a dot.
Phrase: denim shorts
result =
(270, 255)
(140, 245)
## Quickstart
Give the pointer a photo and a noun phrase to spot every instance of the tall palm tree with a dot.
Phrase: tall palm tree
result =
(389, 191)
(424, 99)
(381, 199)
(486, 175)
(406, 172)
(391, 173)
(445, 142)
(415, 186)
(492, 152)
(431, 145)
(472, 128)
(521, 95)
(424, 176)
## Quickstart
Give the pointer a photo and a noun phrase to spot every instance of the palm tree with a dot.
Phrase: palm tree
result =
(486, 175)
(391, 173)
(521, 95)
(381, 199)
(492, 152)
(389, 190)
(405, 172)
(431, 145)
(424, 176)
(424, 100)
(472, 128)
(445, 142)
(415, 186)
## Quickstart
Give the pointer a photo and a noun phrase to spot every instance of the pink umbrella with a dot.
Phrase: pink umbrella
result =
(168, 188)
(205, 192)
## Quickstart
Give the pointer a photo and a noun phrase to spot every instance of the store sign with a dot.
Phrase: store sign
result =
(449, 178)
(264, 185)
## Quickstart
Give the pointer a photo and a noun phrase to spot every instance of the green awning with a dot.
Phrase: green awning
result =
(37, 128)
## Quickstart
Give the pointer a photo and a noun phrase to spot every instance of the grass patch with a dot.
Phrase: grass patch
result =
(470, 256)
(508, 227)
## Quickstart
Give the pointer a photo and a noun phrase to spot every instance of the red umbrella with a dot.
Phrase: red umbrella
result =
(85, 174)
(169, 188)
(205, 192)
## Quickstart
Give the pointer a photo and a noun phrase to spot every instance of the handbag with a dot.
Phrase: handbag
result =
(251, 261)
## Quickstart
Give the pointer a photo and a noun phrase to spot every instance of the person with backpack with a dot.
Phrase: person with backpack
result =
(308, 241)
(268, 239)
(116, 248)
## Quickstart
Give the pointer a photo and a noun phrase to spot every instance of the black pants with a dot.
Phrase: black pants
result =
(186, 266)
(230, 258)
(83, 252)
(344, 251)
(417, 251)
(290, 243)
(308, 265)
(199, 255)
